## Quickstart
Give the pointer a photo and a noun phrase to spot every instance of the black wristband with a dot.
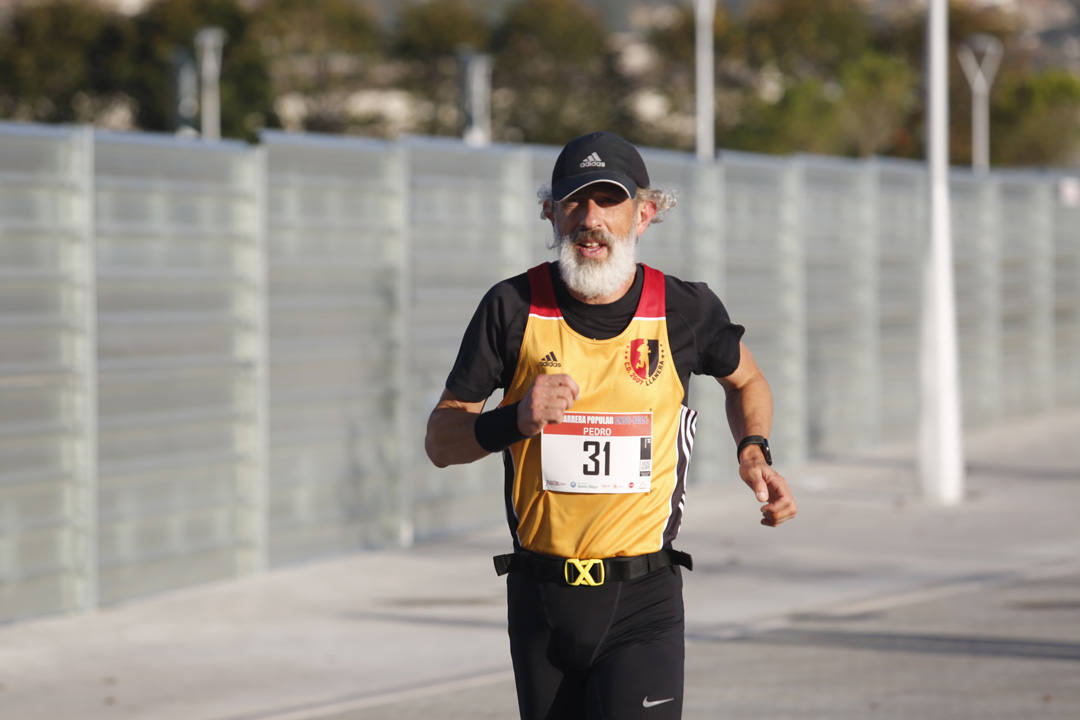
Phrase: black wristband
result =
(754, 440)
(497, 429)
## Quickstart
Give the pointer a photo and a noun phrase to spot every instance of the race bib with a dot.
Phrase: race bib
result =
(598, 453)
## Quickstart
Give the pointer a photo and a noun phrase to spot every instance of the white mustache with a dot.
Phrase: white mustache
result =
(598, 236)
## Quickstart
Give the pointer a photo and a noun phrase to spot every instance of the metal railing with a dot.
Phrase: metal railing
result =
(217, 358)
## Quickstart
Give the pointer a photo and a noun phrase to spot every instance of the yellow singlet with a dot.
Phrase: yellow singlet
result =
(610, 479)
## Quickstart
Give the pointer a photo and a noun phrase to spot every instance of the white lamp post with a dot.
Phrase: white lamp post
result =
(704, 16)
(941, 455)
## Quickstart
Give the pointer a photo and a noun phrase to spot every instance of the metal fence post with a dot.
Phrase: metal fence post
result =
(791, 263)
(868, 300)
(706, 253)
(1066, 263)
(983, 382)
(518, 211)
(397, 260)
(1041, 282)
(252, 432)
(707, 246)
(86, 493)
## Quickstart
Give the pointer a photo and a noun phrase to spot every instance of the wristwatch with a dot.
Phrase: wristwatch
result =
(754, 440)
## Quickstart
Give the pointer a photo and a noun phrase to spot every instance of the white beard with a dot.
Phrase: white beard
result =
(598, 278)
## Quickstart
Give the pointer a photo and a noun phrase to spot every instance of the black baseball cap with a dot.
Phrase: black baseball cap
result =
(595, 158)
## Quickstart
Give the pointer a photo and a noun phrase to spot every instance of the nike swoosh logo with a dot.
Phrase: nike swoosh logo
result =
(647, 703)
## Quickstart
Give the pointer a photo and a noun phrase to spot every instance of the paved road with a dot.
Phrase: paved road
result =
(872, 604)
(1002, 647)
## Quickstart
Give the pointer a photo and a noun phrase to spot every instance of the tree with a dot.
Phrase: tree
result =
(64, 62)
(429, 38)
(805, 118)
(673, 77)
(438, 28)
(554, 75)
(878, 93)
(807, 38)
(794, 76)
(1036, 118)
(908, 39)
(810, 75)
(165, 26)
(320, 54)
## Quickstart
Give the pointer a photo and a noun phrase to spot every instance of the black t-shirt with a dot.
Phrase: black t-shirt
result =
(703, 339)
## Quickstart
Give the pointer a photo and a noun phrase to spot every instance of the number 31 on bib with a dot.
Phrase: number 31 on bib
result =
(594, 452)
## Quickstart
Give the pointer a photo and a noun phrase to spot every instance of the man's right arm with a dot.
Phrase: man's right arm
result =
(452, 431)
(451, 439)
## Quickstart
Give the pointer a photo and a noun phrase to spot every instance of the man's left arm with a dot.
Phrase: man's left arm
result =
(749, 411)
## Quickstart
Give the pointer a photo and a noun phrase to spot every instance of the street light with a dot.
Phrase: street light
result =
(980, 58)
(476, 96)
(941, 454)
(208, 44)
(704, 16)
(186, 93)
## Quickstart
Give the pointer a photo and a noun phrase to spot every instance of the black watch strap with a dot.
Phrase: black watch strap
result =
(755, 440)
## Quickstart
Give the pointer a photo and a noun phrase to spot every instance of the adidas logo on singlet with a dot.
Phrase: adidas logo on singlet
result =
(593, 160)
(550, 360)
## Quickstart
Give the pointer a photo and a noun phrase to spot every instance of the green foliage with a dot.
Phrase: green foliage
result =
(879, 92)
(673, 77)
(1036, 118)
(290, 28)
(169, 25)
(319, 52)
(908, 36)
(908, 40)
(796, 76)
(861, 114)
(807, 38)
(554, 76)
(430, 37)
(805, 119)
(823, 76)
(562, 32)
(71, 61)
(62, 62)
(674, 42)
(439, 28)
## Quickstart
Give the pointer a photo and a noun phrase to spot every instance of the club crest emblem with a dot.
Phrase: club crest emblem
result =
(644, 360)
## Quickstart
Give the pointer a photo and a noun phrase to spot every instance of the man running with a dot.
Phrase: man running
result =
(594, 354)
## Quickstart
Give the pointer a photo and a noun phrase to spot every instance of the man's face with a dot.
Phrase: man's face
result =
(596, 237)
(592, 218)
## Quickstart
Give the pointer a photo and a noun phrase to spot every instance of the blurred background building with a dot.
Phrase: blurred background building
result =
(837, 77)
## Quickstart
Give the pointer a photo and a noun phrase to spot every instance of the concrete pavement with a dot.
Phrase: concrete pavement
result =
(871, 604)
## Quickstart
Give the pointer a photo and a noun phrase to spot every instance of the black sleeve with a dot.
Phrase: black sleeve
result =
(704, 339)
(490, 347)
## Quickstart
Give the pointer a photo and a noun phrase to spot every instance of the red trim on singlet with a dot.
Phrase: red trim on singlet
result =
(542, 292)
(652, 303)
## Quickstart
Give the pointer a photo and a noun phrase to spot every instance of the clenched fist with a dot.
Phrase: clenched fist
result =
(549, 397)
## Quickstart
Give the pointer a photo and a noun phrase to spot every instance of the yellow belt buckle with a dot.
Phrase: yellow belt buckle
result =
(584, 572)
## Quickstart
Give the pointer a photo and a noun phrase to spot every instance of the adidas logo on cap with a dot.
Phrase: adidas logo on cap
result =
(550, 360)
(593, 160)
